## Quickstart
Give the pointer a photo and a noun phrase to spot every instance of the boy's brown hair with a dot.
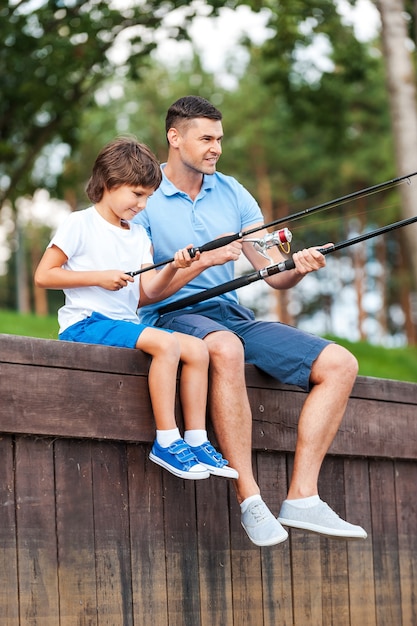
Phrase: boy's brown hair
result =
(123, 161)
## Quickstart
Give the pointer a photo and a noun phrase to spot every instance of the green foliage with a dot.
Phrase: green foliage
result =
(54, 56)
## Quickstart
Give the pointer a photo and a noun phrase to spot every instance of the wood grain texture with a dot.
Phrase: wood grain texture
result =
(93, 533)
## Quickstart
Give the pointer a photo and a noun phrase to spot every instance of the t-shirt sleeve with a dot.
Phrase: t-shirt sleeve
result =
(68, 236)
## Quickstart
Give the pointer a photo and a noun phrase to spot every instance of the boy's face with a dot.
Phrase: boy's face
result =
(125, 202)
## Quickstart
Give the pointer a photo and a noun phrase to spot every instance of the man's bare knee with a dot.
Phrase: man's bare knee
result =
(225, 349)
(336, 362)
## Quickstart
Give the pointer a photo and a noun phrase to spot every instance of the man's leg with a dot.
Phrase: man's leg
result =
(333, 375)
(229, 408)
(232, 421)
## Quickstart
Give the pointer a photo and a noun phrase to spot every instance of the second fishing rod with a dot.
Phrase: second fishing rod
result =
(226, 239)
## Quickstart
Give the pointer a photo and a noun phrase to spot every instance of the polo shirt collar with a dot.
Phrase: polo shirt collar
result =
(169, 189)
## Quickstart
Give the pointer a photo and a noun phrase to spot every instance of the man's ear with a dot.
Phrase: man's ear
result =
(173, 137)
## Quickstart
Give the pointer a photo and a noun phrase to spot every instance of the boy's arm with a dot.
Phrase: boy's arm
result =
(51, 275)
(200, 263)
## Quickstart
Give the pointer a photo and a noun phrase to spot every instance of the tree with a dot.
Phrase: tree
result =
(54, 56)
(401, 84)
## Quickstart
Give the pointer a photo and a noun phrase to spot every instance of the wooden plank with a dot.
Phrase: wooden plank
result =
(111, 533)
(69, 355)
(9, 602)
(110, 406)
(212, 506)
(37, 547)
(366, 387)
(181, 548)
(385, 543)
(306, 572)
(246, 572)
(334, 551)
(275, 415)
(75, 530)
(146, 506)
(276, 560)
(97, 391)
(83, 404)
(405, 485)
(360, 553)
(63, 354)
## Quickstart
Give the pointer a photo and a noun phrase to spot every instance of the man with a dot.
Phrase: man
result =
(196, 203)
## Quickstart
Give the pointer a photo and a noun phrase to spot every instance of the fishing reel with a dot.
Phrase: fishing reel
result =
(277, 238)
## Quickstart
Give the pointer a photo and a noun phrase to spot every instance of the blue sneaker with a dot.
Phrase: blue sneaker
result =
(213, 460)
(179, 460)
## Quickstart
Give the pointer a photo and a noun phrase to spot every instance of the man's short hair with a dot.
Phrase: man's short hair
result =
(188, 108)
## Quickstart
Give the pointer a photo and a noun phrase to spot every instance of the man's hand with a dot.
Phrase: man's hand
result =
(219, 256)
(309, 260)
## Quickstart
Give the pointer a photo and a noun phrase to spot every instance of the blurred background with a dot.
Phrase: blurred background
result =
(318, 100)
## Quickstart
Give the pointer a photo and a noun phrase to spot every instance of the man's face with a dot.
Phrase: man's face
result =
(199, 144)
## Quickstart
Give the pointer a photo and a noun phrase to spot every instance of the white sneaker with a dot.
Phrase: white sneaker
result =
(262, 528)
(319, 519)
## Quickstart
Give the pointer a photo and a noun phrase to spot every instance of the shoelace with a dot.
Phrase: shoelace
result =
(259, 511)
(182, 451)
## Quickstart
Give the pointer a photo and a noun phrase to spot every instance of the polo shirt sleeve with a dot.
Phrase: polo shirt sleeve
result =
(249, 209)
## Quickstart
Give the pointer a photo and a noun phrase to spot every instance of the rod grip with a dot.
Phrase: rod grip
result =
(213, 245)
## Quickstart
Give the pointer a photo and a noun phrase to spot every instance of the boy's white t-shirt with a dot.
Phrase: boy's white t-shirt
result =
(92, 243)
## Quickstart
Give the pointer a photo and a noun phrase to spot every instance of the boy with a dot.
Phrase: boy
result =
(101, 302)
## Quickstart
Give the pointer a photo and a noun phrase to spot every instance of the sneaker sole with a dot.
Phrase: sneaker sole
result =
(268, 542)
(323, 530)
(177, 472)
(226, 472)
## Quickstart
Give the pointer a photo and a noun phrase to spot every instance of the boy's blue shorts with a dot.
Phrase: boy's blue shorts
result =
(99, 329)
(281, 351)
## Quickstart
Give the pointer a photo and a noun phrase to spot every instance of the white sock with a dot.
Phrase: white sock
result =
(166, 437)
(305, 503)
(244, 505)
(195, 437)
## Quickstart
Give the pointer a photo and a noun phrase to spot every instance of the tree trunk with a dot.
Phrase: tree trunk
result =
(402, 98)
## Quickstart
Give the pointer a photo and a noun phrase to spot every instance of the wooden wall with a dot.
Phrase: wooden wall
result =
(93, 533)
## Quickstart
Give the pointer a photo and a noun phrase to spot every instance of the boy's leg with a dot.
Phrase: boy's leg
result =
(194, 358)
(174, 455)
(164, 349)
(193, 393)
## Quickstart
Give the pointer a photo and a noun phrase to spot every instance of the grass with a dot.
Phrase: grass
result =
(392, 363)
(28, 325)
(380, 362)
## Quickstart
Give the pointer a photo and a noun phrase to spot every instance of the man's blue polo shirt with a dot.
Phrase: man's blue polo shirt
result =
(173, 221)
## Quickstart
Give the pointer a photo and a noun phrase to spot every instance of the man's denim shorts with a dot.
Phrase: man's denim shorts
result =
(281, 351)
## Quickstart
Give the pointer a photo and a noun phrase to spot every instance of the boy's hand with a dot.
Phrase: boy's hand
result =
(183, 259)
(113, 280)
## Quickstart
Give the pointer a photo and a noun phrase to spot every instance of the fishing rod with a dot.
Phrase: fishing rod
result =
(270, 270)
(226, 239)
